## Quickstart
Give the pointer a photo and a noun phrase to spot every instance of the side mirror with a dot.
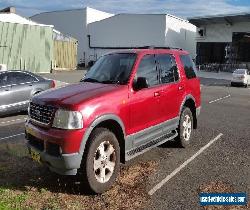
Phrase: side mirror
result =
(140, 83)
(83, 78)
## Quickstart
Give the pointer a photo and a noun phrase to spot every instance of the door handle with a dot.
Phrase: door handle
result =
(30, 84)
(181, 87)
(157, 94)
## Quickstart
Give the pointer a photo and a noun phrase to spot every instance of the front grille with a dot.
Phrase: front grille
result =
(41, 113)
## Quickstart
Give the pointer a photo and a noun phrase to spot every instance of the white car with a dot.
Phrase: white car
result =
(241, 77)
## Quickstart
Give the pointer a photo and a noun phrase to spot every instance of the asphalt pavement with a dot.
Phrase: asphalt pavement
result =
(225, 115)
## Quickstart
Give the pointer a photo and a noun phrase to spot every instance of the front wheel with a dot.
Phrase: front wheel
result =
(185, 129)
(101, 163)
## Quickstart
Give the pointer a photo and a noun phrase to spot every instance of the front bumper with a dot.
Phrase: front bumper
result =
(58, 149)
(66, 164)
(238, 83)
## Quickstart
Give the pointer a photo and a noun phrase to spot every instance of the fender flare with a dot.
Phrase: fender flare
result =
(96, 122)
(189, 96)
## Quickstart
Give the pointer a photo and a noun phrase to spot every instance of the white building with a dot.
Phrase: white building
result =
(223, 38)
(99, 32)
(74, 23)
(136, 30)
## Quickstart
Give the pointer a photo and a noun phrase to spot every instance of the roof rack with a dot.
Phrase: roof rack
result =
(156, 47)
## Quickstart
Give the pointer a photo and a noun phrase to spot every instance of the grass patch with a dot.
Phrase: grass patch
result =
(11, 199)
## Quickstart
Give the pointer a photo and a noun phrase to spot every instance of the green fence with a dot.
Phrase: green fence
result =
(26, 47)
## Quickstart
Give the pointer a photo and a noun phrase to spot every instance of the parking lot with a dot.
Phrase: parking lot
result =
(166, 177)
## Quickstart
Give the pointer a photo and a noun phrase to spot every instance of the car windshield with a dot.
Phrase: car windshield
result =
(111, 69)
(240, 71)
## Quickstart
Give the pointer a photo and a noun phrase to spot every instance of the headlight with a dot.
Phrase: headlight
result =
(68, 119)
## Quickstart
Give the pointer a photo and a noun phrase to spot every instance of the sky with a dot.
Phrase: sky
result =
(181, 8)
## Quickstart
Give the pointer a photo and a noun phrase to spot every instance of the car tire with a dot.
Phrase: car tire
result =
(101, 161)
(185, 128)
(232, 84)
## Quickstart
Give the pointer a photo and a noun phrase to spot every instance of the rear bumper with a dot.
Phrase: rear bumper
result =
(198, 111)
(58, 149)
(238, 83)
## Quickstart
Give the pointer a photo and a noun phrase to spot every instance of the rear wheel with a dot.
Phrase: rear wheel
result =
(185, 129)
(101, 163)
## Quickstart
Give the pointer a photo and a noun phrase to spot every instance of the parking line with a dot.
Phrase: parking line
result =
(183, 165)
(9, 137)
(11, 122)
(210, 102)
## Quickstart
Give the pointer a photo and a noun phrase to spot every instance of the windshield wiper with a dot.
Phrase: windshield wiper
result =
(111, 82)
(90, 80)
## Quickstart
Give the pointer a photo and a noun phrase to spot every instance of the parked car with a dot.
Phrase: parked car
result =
(241, 77)
(16, 89)
(128, 103)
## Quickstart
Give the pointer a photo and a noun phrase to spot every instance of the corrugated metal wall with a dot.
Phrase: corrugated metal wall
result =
(26, 47)
(65, 55)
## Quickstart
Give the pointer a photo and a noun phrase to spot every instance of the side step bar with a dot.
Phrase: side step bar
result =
(146, 147)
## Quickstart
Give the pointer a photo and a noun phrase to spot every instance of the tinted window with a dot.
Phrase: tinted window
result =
(147, 69)
(168, 69)
(28, 78)
(3, 79)
(189, 67)
(112, 68)
(18, 77)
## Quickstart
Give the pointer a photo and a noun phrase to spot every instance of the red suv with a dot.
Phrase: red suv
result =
(127, 103)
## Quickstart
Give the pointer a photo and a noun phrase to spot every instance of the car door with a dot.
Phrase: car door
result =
(22, 86)
(172, 90)
(144, 103)
(7, 99)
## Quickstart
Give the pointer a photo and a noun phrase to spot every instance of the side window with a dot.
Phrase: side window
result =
(147, 69)
(3, 79)
(18, 78)
(189, 66)
(167, 67)
(14, 78)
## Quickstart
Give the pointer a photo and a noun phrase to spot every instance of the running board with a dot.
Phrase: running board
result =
(146, 147)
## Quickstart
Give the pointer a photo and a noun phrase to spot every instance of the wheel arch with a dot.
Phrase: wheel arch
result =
(111, 122)
(189, 101)
(36, 91)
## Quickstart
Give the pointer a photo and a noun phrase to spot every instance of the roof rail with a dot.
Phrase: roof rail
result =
(156, 47)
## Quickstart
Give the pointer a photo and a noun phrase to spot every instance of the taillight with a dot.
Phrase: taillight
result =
(242, 77)
(53, 84)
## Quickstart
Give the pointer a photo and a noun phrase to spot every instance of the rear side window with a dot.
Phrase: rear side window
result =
(19, 77)
(167, 67)
(28, 78)
(147, 69)
(189, 66)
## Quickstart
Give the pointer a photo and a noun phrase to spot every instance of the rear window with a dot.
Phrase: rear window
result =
(240, 71)
(189, 66)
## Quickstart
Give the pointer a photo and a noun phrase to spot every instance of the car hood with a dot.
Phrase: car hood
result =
(74, 94)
